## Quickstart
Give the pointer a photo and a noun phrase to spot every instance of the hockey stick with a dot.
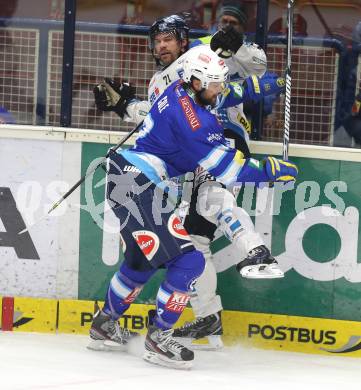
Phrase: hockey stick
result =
(82, 179)
(287, 117)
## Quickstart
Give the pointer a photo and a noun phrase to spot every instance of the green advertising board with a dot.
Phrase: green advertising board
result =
(314, 233)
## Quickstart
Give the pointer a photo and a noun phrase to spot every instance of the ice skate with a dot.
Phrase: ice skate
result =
(161, 348)
(260, 264)
(209, 327)
(107, 335)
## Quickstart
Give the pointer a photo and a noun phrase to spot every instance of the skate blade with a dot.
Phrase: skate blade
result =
(155, 358)
(262, 271)
(209, 343)
(106, 345)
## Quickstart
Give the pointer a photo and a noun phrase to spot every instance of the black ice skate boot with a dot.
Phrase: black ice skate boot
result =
(106, 333)
(209, 327)
(162, 349)
(259, 264)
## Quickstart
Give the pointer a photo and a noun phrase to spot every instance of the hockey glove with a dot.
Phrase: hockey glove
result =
(226, 42)
(256, 88)
(280, 170)
(113, 96)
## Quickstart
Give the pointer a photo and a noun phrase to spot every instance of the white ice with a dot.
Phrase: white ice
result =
(30, 361)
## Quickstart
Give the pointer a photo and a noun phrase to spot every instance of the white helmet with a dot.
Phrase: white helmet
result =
(204, 64)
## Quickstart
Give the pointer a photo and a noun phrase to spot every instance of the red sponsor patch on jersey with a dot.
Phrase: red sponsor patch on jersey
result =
(176, 228)
(177, 302)
(131, 297)
(190, 114)
(148, 242)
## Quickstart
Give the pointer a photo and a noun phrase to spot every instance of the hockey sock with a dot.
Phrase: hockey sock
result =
(124, 287)
(173, 293)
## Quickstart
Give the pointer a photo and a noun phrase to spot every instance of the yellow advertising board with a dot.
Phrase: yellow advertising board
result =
(266, 331)
(35, 315)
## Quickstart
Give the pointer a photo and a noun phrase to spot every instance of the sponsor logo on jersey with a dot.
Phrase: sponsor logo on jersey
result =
(177, 302)
(163, 104)
(180, 73)
(154, 95)
(131, 168)
(214, 137)
(147, 241)
(281, 82)
(190, 114)
(244, 123)
(258, 60)
(267, 87)
(293, 334)
(152, 98)
(176, 228)
(237, 89)
(131, 297)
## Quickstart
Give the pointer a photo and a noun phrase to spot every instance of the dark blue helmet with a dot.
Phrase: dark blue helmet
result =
(173, 24)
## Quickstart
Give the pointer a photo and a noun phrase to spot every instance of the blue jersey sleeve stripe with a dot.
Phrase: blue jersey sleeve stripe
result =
(222, 166)
(231, 173)
(214, 158)
(139, 160)
(143, 165)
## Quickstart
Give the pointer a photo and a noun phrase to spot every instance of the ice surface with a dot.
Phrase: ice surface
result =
(30, 361)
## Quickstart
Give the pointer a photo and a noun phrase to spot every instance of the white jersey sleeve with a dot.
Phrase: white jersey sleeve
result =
(138, 109)
(249, 60)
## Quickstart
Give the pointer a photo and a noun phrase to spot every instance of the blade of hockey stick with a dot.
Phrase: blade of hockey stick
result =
(287, 114)
(82, 179)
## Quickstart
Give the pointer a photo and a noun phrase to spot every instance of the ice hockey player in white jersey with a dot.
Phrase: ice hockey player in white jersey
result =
(168, 40)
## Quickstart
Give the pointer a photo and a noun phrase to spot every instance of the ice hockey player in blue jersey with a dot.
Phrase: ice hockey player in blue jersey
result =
(168, 39)
(179, 134)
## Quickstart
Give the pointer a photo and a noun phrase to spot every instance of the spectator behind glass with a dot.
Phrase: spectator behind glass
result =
(6, 116)
(233, 13)
(348, 134)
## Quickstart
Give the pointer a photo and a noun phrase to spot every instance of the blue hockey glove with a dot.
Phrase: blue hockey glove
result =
(280, 170)
(256, 88)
